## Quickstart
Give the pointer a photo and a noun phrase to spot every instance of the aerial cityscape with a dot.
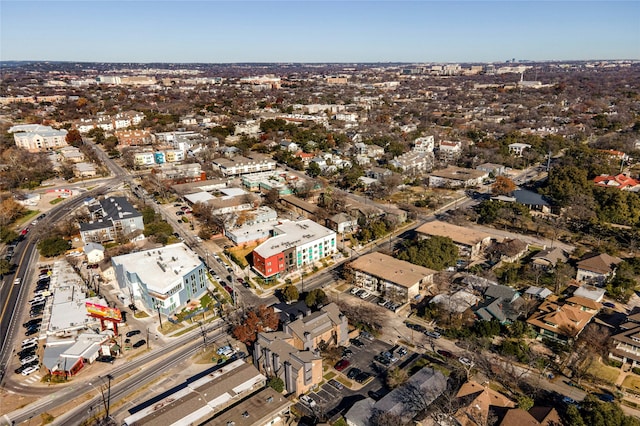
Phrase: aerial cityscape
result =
(359, 213)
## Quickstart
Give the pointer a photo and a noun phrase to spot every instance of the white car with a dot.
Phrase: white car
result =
(466, 362)
(307, 400)
(29, 341)
(354, 290)
(30, 370)
(363, 294)
(30, 345)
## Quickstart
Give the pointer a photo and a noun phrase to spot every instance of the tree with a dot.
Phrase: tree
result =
(396, 377)
(290, 293)
(74, 138)
(315, 298)
(53, 246)
(5, 267)
(256, 321)
(435, 252)
(276, 383)
(314, 170)
(503, 186)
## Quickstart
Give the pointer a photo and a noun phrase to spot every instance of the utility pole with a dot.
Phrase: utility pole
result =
(159, 317)
(109, 377)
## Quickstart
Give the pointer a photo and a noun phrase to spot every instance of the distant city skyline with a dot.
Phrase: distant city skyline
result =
(317, 32)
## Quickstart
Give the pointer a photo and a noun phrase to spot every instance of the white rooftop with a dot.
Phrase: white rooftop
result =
(160, 269)
(199, 197)
(292, 234)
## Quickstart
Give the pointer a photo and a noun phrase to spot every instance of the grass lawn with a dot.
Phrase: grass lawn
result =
(169, 327)
(28, 215)
(56, 201)
(631, 382)
(240, 254)
(205, 300)
(604, 372)
(344, 381)
(330, 375)
(141, 314)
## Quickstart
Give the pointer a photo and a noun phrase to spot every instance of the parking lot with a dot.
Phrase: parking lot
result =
(332, 400)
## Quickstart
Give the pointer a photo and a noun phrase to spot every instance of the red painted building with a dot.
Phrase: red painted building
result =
(269, 266)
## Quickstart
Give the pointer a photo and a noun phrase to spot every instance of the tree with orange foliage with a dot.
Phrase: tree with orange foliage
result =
(256, 320)
(503, 186)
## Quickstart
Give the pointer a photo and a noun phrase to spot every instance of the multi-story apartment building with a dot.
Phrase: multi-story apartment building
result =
(413, 162)
(449, 151)
(293, 246)
(37, 138)
(243, 165)
(144, 159)
(111, 218)
(133, 137)
(162, 279)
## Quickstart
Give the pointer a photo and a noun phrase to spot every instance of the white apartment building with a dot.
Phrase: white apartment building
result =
(424, 144)
(449, 151)
(144, 159)
(243, 165)
(37, 138)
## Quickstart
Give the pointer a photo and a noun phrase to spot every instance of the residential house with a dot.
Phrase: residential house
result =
(70, 154)
(427, 384)
(83, 170)
(377, 172)
(509, 250)
(300, 207)
(397, 279)
(110, 218)
(457, 302)
(289, 146)
(539, 293)
(597, 269)
(163, 279)
(469, 241)
(144, 159)
(518, 149)
(590, 292)
(501, 303)
(294, 246)
(563, 322)
(456, 177)
(94, 252)
(342, 223)
(179, 173)
(547, 259)
(480, 403)
(360, 413)
(620, 181)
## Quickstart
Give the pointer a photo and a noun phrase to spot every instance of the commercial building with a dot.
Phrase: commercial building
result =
(293, 246)
(163, 279)
(397, 279)
(110, 218)
(456, 177)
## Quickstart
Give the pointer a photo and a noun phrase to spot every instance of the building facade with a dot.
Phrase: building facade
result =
(111, 218)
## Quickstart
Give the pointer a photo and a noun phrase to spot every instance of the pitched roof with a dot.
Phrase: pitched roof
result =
(551, 256)
(518, 417)
(480, 399)
(600, 263)
(584, 301)
(619, 181)
(563, 319)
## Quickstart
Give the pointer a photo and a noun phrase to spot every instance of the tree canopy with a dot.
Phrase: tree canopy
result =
(434, 253)
(53, 246)
(256, 321)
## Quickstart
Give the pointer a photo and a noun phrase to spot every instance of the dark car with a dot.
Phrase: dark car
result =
(356, 342)
(416, 327)
(376, 395)
(139, 343)
(32, 323)
(106, 358)
(446, 354)
(26, 353)
(606, 397)
(245, 284)
(31, 331)
(133, 307)
(609, 305)
(336, 384)
(382, 360)
(341, 365)
(363, 377)
(20, 369)
(346, 353)
(132, 333)
(353, 373)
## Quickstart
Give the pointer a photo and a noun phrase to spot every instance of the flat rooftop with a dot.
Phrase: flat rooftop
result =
(292, 234)
(162, 268)
(459, 173)
(399, 272)
(458, 234)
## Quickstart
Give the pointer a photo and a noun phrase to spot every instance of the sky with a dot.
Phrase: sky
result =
(318, 31)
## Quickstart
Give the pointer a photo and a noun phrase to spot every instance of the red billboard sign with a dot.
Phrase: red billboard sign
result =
(101, 311)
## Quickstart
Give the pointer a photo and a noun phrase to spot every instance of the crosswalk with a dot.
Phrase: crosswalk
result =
(32, 378)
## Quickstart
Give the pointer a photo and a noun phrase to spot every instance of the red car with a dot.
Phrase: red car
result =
(342, 364)
(24, 232)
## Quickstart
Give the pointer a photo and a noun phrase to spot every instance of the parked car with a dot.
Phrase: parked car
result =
(433, 334)
(356, 342)
(31, 331)
(336, 384)
(106, 358)
(445, 354)
(26, 352)
(609, 305)
(416, 327)
(132, 333)
(363, 294)
(465, 361)
(354, 290)
(367, 335)
(382, 360)
(306, 399)
(32, 323)
(342, 364)
(353, 373)
(402, 351)
(28, 359)
(347, 353)
(139, 343)
(30, 370)
(30, 345)
(363, 377)
(27, 342)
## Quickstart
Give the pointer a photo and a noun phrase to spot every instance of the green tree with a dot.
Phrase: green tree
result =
(5, 267)
(316, 297)
(53, 246)
(525, 402)
(290, 293)
(435, 252)
(276, 383)
(314, 169)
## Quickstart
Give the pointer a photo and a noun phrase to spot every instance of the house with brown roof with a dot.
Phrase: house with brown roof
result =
(626, 346)
(597, 269)
(509, 250)
(547, 259)
(536, 416)
(396, 279)
(469, 241)
(563, 321)
(478, 403)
